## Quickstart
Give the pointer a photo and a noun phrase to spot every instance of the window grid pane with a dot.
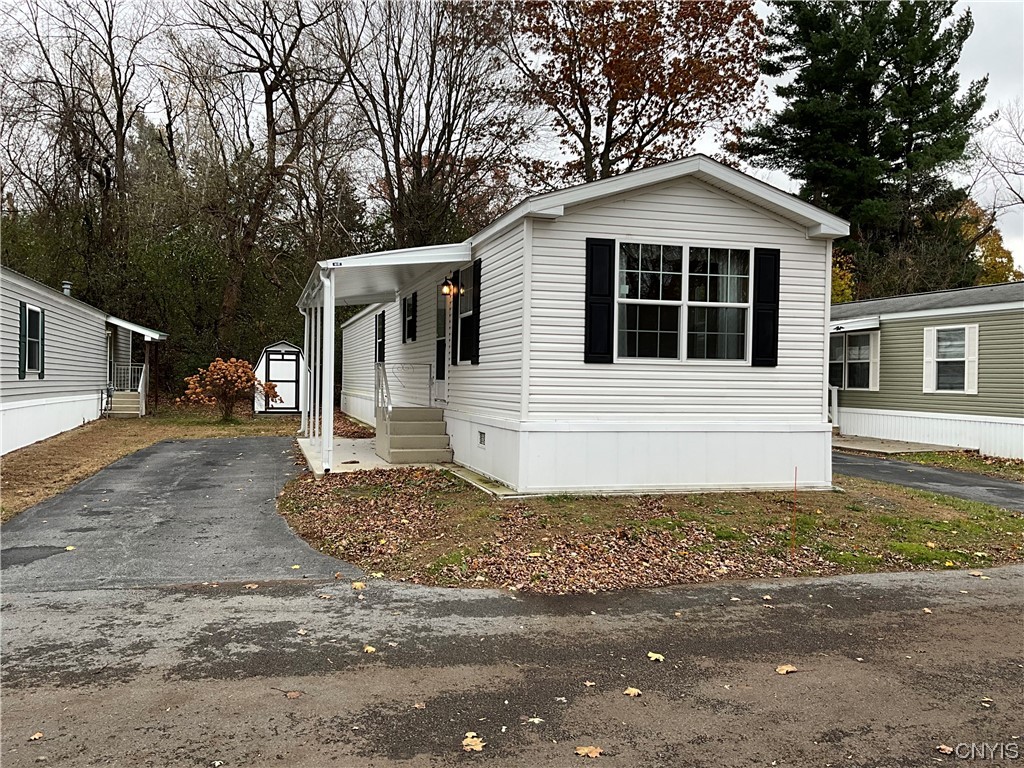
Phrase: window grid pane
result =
(647, 330)
(950, 375)
(951, 344)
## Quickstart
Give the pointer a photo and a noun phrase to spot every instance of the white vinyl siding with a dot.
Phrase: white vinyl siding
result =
(562, 386)
(357, 357)
(75, 343)
(493, 387)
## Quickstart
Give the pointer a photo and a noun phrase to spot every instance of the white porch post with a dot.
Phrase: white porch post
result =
(327, 393)
(314, 380)
(304, 380)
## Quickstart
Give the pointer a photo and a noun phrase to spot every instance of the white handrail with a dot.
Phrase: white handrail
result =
(143, 386)
(382, 389)
(127, 376)
(833, 405)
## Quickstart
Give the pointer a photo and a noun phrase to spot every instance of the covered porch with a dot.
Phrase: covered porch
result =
(365, 279)
(128, 379)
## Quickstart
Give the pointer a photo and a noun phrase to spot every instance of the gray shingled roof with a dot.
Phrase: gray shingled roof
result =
(915, 302)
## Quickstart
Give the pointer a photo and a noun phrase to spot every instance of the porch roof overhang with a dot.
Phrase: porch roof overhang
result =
(375, 278)
(147, 333)
(870, 323)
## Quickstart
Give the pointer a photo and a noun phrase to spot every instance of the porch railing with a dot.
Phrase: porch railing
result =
(833, 405)
(128, 377)
(382, 389)
(410, 377)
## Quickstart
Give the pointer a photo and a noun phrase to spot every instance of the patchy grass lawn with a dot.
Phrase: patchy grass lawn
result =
(427, 526)
(40, 471)
(969, 461)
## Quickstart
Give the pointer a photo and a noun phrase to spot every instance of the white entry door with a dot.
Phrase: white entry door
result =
(439, 386)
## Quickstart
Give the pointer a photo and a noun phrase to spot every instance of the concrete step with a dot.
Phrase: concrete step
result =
(421, 456)
(416, 428)
(124, 414)
(416, 414)
(127, 397)
(419, 441)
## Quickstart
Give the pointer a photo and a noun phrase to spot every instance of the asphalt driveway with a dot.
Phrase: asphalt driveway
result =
(963, 485)
(178, 512)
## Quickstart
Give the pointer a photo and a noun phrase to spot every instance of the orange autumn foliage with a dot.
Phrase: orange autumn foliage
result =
(224, 384)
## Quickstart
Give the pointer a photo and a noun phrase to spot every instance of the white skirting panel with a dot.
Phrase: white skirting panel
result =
(989, 435)
(23, 422)
(538, 457)
(359, 406)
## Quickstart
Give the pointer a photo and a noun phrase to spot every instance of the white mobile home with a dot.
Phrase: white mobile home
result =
(64, 362)
(662, 330)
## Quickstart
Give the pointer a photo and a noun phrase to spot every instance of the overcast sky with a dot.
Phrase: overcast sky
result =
(996, 49)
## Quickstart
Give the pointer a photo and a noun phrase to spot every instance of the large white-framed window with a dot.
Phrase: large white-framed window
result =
(683, 302)
(853, 360)
(951, 359)
(33, 339)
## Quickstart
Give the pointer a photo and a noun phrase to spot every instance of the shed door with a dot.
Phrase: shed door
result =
(282, 369)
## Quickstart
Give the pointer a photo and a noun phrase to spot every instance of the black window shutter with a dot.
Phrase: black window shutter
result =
(765, 352)
(474, 358)
(455, 318)
(405, 322)
(599, 315)
(22, 338)
(412, 320)
(42, 343)
(380, 337)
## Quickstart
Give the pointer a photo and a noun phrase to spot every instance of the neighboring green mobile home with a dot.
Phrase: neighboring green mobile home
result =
(945, 367)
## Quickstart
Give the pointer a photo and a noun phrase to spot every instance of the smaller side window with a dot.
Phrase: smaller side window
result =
(379, 338)
(33, 339)
(409, 318)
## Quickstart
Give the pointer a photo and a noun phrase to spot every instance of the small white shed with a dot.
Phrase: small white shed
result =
(281, 364)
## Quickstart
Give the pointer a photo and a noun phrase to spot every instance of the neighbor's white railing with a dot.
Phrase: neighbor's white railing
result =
(127, 377)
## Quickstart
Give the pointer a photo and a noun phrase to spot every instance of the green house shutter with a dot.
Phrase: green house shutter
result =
(22, 338)
(42, 343)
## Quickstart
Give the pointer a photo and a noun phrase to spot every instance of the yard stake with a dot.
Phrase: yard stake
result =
(792, 529)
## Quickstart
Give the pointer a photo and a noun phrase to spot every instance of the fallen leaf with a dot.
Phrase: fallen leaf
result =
(369, 649)
(734, 599)
(36, 736)
(337, 574)
(535, 720)
(69, 549)
(589, 751)
(419, 705)
(250, 586)
(534, 554)
(785, 669)
(926, 610)
(944, 749)
(473, 743)
(324, 596)
(949, 564)
(766, 597)
(301, 631)
(292, 694)
(632, 692)
(357, 585)
(377, 575)
(296, 567)
(589, 683)
(931, 544)
(974, 573)
(655, 656)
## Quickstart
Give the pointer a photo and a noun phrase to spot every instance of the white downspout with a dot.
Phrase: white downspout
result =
(327, 387)
(304, 379)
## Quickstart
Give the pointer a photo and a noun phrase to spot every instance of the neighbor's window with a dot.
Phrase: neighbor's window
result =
(858, 360)
(836, 359)
(951, 359)
(33, 339)
(653, 307)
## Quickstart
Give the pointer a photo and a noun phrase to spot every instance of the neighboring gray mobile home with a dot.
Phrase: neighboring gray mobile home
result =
(663, 329)
(64, 362)
(945, 367)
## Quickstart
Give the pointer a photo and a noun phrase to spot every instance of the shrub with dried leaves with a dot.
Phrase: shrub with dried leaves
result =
(224, 384)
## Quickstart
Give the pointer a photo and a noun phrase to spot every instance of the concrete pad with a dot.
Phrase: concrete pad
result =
(877, 445)
(349, 455)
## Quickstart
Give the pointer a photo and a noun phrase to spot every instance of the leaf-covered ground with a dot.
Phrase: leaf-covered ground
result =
(349, 428)
(427, 526)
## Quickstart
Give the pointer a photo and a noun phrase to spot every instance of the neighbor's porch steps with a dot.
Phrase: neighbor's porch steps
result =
(413, 436)
(125, 405)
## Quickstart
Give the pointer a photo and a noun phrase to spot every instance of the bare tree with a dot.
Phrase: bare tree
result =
(1003, 152)
(434, 94)
(261, 88)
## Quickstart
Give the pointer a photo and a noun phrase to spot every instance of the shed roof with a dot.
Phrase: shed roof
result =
(980, 296)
